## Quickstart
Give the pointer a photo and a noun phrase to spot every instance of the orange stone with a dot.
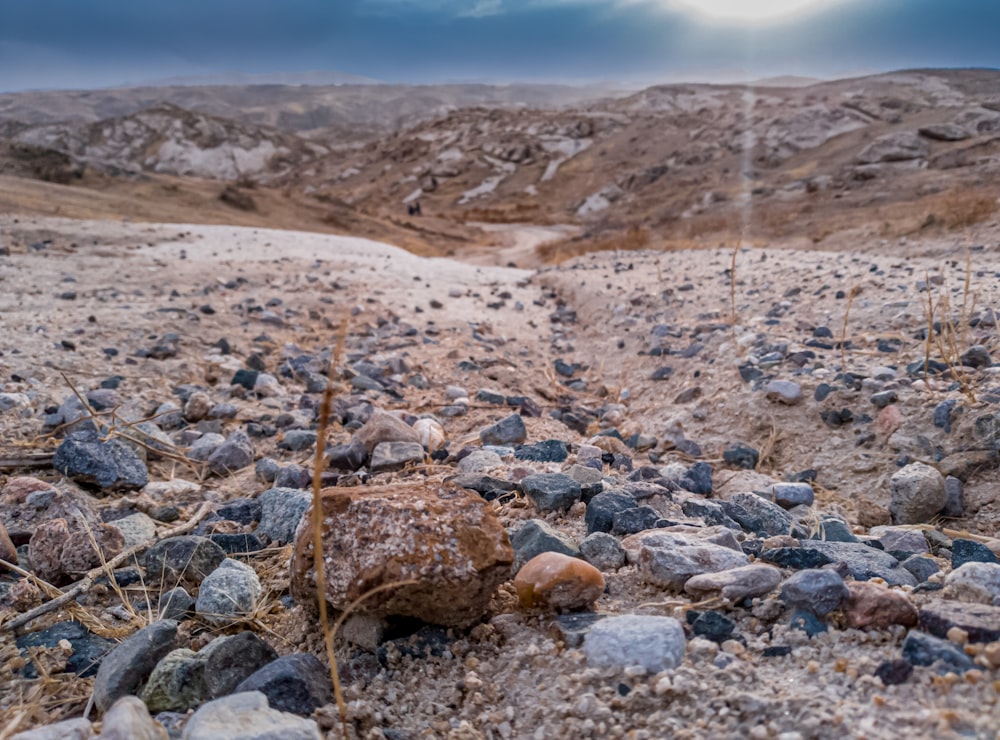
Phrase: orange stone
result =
(556, 581)
(874, 606)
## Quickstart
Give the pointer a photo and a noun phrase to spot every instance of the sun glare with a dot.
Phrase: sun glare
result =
(748, 10)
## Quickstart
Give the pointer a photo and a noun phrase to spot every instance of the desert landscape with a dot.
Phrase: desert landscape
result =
(673, 412)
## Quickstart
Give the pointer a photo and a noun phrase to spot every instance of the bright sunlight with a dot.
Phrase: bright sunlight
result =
(748, 10)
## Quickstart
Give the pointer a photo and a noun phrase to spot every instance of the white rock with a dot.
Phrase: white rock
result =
(975, 582)
(247, 716)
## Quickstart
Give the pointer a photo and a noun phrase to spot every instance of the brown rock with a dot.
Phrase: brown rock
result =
(22, 595)
(736, 584)
(79, 554)
(7, 550)
(443, 537)
(46, 547)
(560, 582)
(385, 427)
(874, 606)
(963, 465)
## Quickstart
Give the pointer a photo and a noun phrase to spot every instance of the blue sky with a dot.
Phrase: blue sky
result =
(91, 43)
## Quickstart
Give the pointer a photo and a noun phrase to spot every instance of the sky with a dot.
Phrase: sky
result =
(54, 44)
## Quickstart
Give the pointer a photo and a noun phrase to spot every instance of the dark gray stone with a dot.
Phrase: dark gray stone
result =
(293, 476)
(756, 514)
(550, 450)
(921, 566)
(244, 511)
(509, 431)
(112, 465)
(88, 648)
(921, 649)
(573, 628)
(231, 660)
(348, 457)
(955, 508)
(789, 495)
(970, 551)
(535, 537)
(741, 456)
(636, 519)
(185, 559)
(281, 510)
(388, 457)
(602, 508)
(296, 683)
(863, 562)
(234, 454)
(551, 491)
(176, 604)
(698, 479)
(980, 621)
(712, 626)
(816, 591)
(808, 622)
(128, 666)
(297, 440)
(603, 551)
(711, 512)
(834, 530)
(238, 543)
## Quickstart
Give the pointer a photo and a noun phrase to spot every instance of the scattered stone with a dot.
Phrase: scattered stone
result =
(636, 519)
(127, 667)
(712, 626)
(669, 559)
(863, 562)
(229, 660)
(790, 495)
(654, 643)
(69, 729)
(111, 465)
(234, 454)
(977, 582)
(348, 457)
(479, 461)
(128, 719)
(447, 539)
(551, 450)
(816, 591)
(969, 551)
(603, 551)
(176, 604)
(388, 457)
(921, 567)
(551, 491)
(177, 682)
(980, 621)
(756, 514)
(909, 541)
(187, 559)
(509, 431)
(247, 716)
(918, 493)
(572, 628)
(536, 536)
(920, 649)
(296, 683)
(894, 672)
(559, 582)
(296, 440)
(807, 622)
(281, 510)
(741, 456)
(736, 584)
(88, 648)
(784, 391)
(874, 606)
(602, 508)
(228, 593)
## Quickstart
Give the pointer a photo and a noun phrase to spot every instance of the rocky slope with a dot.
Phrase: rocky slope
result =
(763, 501)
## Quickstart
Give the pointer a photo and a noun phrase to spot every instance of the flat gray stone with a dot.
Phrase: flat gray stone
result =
(655, 643)
(127, 667)
(247, 716)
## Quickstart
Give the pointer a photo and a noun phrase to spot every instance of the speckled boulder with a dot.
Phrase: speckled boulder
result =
(443, 537)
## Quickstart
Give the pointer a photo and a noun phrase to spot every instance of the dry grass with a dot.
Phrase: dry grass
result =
(635, 238)
(957, 209)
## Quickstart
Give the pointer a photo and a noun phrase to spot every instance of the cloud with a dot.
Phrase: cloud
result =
(483, 9)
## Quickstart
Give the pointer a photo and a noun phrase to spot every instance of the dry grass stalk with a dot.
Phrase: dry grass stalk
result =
(843, 332)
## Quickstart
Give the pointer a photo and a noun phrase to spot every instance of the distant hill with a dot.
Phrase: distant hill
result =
(319, 77)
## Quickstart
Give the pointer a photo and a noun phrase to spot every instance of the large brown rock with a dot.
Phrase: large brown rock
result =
(26, 502)
(874, 606)
(385, 427)
(443, 537)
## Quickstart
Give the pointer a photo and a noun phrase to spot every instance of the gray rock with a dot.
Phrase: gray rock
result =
(297, 440)
(591, 481)
(246, 716)
(669, 559)
(205, 445)
(901, 540)
(234, 454)
(655, 643)
(88, 648)
(735, 585)
(231, 660)
(267, 469)
(509, 431)
(128, 719)
(176, 604)
(863, 562)
(348, 456)
(187, 559)
(756, 514)
(388, 457)
(112, 464)
(281, 510)
(601, 509)
(975, 582)
(535, 537)
(128, 666)
(921, 567)
(816, 591)
(136, 529)
(551, 491)
(784, 391)
(790, 495)
(980, 621)
(177, 682)
(895, 147)
(955, 507)
(385, 427)
(944, 132)
(69, 729)
(227, 593)
(293, 476)
(634, 520)
(479, 461)
(923, 650)
(976, 356)
(296, 683)
(603, 551)
(918, 493)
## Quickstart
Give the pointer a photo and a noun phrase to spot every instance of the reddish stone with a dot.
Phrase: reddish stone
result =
(79, 555)
(558, 582)
(46, 547)
(443, 537)
(874, 606)
(888, 421)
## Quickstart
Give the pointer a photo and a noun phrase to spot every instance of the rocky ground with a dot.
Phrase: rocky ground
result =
(643, 494)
